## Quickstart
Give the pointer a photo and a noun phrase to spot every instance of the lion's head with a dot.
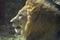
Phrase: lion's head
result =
(19, 21)
(36, 19)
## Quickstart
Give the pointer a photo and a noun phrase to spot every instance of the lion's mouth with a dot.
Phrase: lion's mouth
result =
(18, 28)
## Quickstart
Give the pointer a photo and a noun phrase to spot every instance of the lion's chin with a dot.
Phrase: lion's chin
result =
(18, 31)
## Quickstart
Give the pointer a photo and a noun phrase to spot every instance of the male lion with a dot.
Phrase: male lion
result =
(36, 20)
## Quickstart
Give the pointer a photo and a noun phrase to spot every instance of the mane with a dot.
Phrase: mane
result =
(41, 20)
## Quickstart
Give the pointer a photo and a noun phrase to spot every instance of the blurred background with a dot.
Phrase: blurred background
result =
(8, 9)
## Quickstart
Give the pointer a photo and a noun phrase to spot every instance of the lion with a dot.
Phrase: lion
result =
(36, 20)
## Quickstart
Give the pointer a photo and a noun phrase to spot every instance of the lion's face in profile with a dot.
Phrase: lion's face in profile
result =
(19, 21)
(36, 20)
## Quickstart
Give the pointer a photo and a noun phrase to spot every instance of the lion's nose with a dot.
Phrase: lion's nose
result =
(12, 20)
(16, 19)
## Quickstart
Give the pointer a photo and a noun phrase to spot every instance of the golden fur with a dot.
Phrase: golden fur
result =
(40, 19)
(38, 12)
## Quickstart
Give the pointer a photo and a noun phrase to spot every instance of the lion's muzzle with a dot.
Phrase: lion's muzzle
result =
(19, 22)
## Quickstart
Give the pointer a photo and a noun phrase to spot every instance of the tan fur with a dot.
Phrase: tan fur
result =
(39, 19)
(35, 8)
